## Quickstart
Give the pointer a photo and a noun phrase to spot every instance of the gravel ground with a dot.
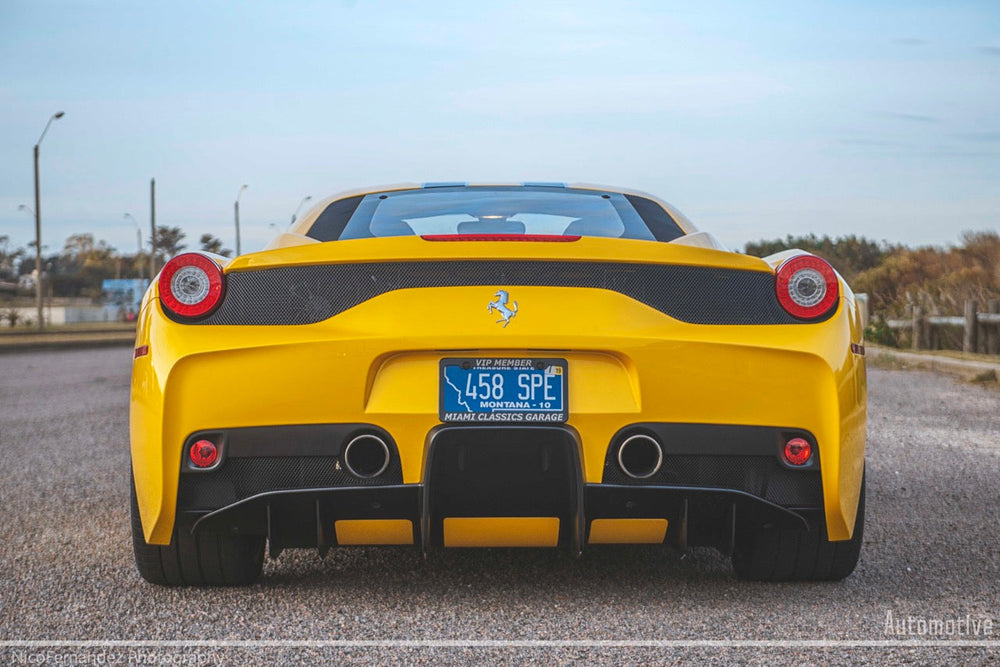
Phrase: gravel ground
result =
(932, 551)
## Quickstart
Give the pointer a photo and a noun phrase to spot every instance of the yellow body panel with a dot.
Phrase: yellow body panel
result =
(521, 531)
(373, 531)
(627, 531)
(378, 363)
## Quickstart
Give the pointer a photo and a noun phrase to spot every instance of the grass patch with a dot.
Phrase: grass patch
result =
(79, 327)
(986, 377)
(887, 361)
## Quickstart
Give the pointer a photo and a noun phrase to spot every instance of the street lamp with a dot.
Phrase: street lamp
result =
(296, 214)
(138, 238)
(236, 212)
(38, 225)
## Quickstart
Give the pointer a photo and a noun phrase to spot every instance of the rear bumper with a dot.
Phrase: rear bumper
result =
(379, 364)
(498, 486)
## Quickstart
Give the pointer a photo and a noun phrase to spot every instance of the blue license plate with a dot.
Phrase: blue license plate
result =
(503, 390)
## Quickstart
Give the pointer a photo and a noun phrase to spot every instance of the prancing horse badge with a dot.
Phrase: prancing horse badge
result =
(500, 305)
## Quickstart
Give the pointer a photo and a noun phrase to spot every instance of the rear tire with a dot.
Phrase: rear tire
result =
(783, 554)
(205, 559)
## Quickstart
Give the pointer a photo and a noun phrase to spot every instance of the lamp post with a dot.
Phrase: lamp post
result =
(138, 238)
(152, 228)
(299, 207)
(38, 225)
(236, 213)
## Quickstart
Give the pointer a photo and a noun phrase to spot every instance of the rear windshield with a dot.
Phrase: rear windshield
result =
(495, 210)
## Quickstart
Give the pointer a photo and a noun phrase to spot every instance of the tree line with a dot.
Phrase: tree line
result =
(896, 277)
(79, 269)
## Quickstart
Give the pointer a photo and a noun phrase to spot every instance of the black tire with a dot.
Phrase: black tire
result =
(205, 559)
(783, 554)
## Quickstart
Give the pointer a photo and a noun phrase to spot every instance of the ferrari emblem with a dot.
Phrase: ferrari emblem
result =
(500, 305)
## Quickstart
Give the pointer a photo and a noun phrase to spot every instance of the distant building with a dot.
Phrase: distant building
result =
(122, 298)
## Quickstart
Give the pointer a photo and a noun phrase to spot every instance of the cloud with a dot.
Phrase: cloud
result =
(989, 50)
(869, 142)
(980, 136)
(911, 117)
(722, 93)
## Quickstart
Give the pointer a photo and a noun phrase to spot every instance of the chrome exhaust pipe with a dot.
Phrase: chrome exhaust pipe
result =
(366, 456)
(640, 456)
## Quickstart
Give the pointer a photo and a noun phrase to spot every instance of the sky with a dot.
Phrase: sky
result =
(757, 120)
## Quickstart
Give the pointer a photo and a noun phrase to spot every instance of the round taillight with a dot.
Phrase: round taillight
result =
(807, 287)
(204, 454)
(798, 451)
(190, 285)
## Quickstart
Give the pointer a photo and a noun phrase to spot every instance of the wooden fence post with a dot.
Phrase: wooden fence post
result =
(862, 300)
(992, 329)
(980, 336)
(969, 339)
(918, 327)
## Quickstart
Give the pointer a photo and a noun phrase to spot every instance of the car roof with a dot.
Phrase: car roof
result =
(303, 224)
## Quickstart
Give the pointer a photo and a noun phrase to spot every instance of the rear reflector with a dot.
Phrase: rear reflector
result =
(542, 238)
(204, 454)
(141, 351)
(797, 451)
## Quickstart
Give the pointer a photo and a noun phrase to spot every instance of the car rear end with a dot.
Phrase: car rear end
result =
(381, 391)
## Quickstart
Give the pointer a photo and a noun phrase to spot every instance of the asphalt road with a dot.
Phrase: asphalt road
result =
(931, 552)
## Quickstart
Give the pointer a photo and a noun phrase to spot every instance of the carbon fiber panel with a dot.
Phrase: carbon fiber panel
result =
(242, 477)
(762, 476)
(310, 294)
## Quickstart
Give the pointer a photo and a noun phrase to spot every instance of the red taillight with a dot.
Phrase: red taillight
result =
(190, 285)
(798, 451)
(544, 238)
(807, 286)
(204, 454)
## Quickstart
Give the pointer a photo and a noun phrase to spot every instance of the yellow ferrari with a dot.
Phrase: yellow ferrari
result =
(529, 365)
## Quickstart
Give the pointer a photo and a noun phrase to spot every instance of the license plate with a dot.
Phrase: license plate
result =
(503, 390)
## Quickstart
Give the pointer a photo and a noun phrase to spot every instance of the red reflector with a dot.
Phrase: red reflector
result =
(141, 351)
(204, 454)
(543, 238)
(798, 451)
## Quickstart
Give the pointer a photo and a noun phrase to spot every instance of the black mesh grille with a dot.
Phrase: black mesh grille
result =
(243, 477)
(309, 294)
(762, 476)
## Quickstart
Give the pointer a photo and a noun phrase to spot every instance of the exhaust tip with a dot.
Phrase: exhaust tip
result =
(640, 456)
(366, 456)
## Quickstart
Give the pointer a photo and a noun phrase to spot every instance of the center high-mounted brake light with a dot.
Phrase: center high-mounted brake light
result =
(807, 287)
(544, 238)
(190, 285)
